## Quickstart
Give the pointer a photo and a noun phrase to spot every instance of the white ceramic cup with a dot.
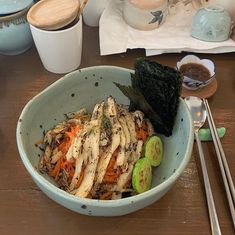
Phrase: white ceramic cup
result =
(93, 11)
(60, 51)
(145, 18)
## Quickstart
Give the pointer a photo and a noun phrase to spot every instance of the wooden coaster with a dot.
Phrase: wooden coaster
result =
(204, 92)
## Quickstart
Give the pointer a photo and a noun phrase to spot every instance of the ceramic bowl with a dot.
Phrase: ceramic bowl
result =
(15, 35)
(60, 50)
(212, 24)
(191, 83)
(147, 17)
(13, 6)
(84, 88)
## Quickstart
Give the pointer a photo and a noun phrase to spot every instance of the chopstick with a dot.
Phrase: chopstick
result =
(226, 175)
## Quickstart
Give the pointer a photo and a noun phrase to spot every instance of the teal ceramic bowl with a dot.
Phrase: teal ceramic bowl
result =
(212, 24)
(15, 34)
(84, 88)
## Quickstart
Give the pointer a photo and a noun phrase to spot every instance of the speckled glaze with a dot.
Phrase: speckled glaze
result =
(212, 24)
(84, 88)
(15, 35)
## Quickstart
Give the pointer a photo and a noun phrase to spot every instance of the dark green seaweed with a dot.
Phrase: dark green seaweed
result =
(155, 90)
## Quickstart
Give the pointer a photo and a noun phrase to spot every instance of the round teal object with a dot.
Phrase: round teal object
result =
(84, 88)
(12, 6)
(212, 24)
(15, 34)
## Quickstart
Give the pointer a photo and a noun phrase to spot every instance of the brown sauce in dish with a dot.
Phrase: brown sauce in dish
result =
(195, 71)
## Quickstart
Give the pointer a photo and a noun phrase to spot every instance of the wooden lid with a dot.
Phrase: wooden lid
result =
(53, 14)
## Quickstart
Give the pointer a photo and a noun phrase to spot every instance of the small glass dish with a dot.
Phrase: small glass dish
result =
(197, 73)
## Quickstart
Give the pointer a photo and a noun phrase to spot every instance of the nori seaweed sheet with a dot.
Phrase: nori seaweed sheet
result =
(155, 91)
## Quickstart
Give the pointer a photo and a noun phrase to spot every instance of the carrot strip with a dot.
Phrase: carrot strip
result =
(112, 173)
(56, 170)
(142, 132)
(106, 196)
(73, 132)
(64, 146)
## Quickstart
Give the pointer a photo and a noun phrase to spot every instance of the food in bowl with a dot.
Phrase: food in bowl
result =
(97, 156)
(155, 90)
(85, 88)
(197, 72)
(93, 156)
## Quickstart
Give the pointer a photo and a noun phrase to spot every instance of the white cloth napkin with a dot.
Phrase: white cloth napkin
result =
(173, 36)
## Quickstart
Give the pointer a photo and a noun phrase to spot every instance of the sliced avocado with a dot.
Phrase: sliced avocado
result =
(153, 150)
(142, 175)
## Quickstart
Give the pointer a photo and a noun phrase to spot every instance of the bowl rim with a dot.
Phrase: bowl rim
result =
(15, 15)
(38, 178)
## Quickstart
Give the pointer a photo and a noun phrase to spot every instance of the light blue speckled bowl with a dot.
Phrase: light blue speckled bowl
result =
(84, 88)
(212, 24)
(15, 34)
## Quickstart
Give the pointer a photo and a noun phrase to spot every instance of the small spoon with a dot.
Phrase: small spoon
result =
(198, 113)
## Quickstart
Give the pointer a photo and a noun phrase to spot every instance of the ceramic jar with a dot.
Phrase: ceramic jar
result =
(145, 15)
(93, 11)
(212, 24)
(15, 35)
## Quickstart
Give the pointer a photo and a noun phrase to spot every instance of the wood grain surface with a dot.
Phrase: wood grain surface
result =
(24, 209)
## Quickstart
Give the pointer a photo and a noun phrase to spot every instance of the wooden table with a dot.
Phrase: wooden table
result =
(24, 209)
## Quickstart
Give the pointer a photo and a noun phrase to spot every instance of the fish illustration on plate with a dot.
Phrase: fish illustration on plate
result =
(158, 16)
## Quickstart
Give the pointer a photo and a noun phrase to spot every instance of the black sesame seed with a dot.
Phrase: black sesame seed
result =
(96, 84)
(83, 206)
(72, 95)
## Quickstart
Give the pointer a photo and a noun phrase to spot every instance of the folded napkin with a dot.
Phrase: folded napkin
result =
(173, 36)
